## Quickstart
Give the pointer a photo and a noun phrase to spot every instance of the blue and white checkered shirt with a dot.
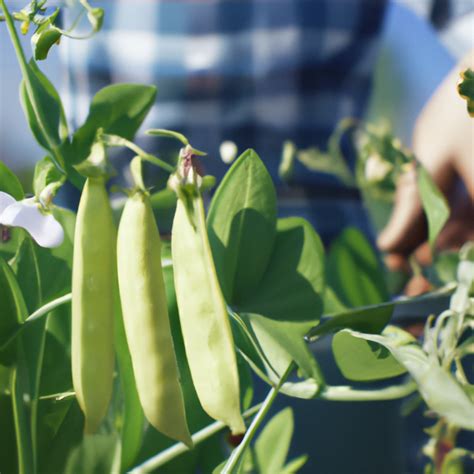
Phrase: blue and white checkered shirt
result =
(254, 72)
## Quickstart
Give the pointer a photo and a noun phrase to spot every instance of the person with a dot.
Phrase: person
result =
(256, 73)
(443, 141)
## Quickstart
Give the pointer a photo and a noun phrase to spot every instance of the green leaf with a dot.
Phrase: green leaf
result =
(466, 89)
(26, 269)
(295, 465)
(118, 109)
(8, 454)
(43, 40)
(43, 110)
(60, 431)
(46, 173)
(434, 204)
(354, 272)
(9, 183)
(331, 303)
(283, 342)
(292, 285)
(96, 18)
(241, 226)
(440, 390)
(12, 309)
(361, 360)
(371, 320)
(273, 444)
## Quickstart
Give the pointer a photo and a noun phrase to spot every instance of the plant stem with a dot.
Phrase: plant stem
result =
(48, 307)
(39, 313)
(22, 433)
(348, 394)
(26, 72)
(116, 141)
(236, 456)
(180, 448)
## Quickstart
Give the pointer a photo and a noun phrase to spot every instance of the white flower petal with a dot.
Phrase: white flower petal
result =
(5, 201)
(44, 228)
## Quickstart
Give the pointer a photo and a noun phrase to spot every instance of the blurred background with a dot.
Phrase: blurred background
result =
(370, 59)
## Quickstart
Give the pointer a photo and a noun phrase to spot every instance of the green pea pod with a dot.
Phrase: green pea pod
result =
(146, 320)
(203, 315)
(93, 282)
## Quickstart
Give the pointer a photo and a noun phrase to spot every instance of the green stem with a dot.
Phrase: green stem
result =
(117, 141)
(348, 394)
(179, 448)
(236, 456)
(25, 70)
(39, 313)
(23, 439)
(444, 291)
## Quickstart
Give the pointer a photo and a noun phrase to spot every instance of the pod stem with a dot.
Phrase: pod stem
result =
(236, 457)
(39, 313)
(179, 448)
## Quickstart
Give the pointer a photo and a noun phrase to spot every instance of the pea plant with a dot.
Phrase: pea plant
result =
(122, 351)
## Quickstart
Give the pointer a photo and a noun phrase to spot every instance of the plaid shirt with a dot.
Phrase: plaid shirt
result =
(254, 72)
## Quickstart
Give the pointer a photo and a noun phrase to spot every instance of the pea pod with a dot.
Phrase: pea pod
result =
(203, 315)
(93, 282)
(146, 320)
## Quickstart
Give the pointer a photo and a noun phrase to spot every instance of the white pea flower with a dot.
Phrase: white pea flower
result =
(228, 151)
(376, 168)
(29, 214)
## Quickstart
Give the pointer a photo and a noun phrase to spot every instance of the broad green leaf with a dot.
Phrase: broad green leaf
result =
(283, 342)
(9, 183)
(241, 226)
(434, 204)
(60, 431)
(361, 360)
(331, 303)
(43, 110)
(292, 285)
(118, 109)
(8, 453)
(354, 272)
(12, 310)
(55, 264)
(46, 173)
(466, 89)
(273, 443)
(371, 320)
(25, 265)
(440, 390)
(26, 269)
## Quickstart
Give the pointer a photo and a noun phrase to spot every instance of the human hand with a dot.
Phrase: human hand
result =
(443, 141)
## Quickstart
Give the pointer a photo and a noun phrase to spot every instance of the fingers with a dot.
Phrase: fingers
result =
(406, 227)
(443, 141)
